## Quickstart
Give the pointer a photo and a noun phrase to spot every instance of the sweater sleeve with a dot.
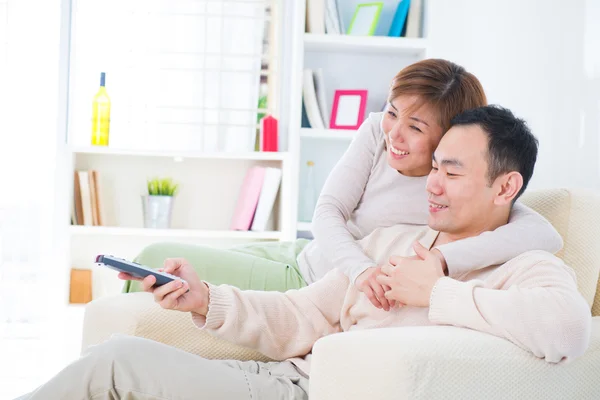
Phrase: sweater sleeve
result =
(527, 230)
(538, 309)
(339, 198)
(279, 325)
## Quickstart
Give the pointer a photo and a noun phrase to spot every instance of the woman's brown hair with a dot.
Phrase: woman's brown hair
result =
(443, 85)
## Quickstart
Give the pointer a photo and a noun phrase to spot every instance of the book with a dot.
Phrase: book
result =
(399, 21)
(77, 205)
(93, 197)
(332, 23)
(415, 16)
(248, 199)
(86, 200)
(319, 81)
(304, 121)
(340, 19)
(98, 203)
(311, 104)
(315, 16)
(266, 201)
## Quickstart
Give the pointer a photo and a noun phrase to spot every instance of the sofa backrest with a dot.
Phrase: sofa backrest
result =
(575, 213)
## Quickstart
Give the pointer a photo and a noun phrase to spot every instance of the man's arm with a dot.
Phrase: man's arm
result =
(279, 325)
(534, 305)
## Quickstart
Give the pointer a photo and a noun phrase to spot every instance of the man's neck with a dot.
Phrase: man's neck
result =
(492, 224)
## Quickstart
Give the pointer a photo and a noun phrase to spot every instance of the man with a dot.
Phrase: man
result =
(482, 165)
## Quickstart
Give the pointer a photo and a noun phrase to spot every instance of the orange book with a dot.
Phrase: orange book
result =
(98, 203)
(93, 197)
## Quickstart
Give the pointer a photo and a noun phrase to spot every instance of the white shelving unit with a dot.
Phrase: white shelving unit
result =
(210, 181)
(304, 226)
(348, 62)
(333, 134)
(364, 44)
(180, 155)
(78, 230)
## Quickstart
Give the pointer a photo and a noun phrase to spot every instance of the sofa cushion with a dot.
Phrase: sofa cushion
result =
(575, 215)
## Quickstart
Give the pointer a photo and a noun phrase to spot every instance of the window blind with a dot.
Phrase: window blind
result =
(181, 74)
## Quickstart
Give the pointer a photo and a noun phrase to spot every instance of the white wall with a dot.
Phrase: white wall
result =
(540, 58)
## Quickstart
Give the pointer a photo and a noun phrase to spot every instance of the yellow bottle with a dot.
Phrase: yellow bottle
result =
(101, 115)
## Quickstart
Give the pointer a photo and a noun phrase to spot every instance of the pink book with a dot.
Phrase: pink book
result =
(248, 199)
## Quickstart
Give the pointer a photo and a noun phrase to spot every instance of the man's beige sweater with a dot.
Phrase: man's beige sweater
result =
(532, 300)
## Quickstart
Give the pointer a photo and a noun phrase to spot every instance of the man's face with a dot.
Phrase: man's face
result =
(460, 199)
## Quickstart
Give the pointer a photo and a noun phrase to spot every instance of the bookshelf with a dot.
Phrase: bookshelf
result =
(80, 230)
(347, 62)
(333, 134)
(180, 155)
(304, 226)
(413, 47)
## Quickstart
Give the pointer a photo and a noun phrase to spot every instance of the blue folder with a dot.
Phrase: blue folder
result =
(399, 20)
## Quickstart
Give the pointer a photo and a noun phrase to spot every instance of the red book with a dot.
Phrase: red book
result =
(268, 134)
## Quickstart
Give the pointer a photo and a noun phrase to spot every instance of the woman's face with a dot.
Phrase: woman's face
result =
(410, 138)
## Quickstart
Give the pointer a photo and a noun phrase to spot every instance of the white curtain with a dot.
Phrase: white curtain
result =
(181, 74)
(33, 278)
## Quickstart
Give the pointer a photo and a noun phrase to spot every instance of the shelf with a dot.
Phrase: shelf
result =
(180, 155)
(365, 44)
(335, 134)
(80, 230)
(304, 226)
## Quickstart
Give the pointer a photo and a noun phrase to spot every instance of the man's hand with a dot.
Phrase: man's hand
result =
(367, 283)
(412, 280)
(175, 295)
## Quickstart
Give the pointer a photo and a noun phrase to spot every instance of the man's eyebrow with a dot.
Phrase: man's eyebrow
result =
(418, 120)
(449, 161)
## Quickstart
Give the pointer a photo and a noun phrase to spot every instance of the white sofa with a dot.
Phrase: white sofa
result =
(441, 362)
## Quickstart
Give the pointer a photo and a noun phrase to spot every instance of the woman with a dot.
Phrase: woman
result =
(379, 181)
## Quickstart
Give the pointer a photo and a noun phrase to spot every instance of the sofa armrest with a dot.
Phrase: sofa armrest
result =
(137, 314)
(444, 362)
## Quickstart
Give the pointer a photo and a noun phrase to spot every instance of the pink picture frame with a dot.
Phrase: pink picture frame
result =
(348, 109)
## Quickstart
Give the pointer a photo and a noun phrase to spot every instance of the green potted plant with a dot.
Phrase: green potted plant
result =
(158, 203)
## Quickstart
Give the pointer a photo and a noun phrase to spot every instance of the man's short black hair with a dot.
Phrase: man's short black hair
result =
(511, 145)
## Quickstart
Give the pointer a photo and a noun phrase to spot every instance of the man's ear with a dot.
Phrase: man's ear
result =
(508, 186)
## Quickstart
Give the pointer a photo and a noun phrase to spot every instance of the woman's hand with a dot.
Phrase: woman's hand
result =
(176, 295)
(367, 283)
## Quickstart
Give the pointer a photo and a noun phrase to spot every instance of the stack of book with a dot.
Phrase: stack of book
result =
(256, 199)
(400, 18)
(324, 16)
(87, 206)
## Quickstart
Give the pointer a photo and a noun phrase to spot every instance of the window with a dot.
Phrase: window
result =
(182, 75)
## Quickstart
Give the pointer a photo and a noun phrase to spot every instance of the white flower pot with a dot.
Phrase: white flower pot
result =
(157, 211)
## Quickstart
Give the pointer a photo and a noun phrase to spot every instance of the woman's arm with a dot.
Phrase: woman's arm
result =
(339, 198)
(527, 230)
(536, 306)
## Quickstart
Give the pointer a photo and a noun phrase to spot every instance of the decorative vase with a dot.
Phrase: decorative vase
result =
(157, 211)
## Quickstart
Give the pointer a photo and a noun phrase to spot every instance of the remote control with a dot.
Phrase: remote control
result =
(135, 269)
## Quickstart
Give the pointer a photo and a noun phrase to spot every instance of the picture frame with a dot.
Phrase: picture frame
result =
(365, 19)
(348, 109)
